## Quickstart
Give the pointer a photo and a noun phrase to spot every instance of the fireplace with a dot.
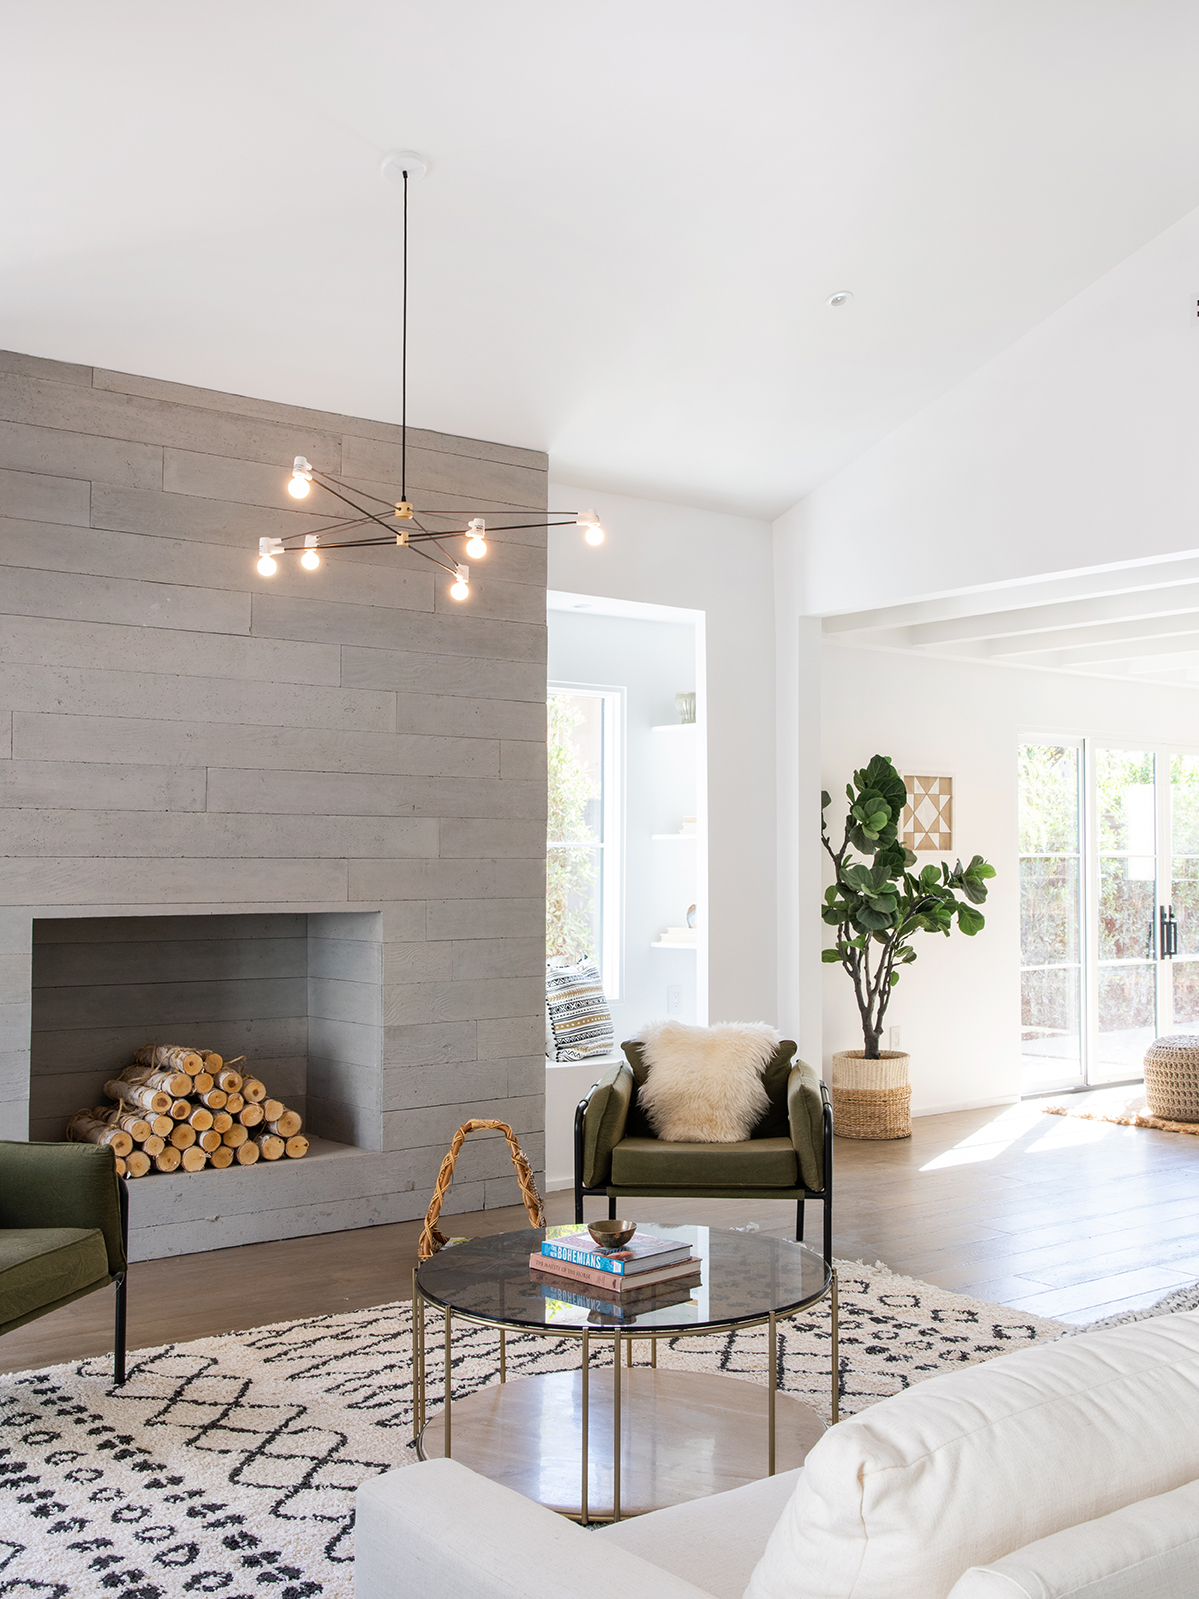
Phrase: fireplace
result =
(301, 819)
(298, 995)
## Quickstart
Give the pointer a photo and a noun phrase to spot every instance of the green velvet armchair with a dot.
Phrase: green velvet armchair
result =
(64, 1232)
(789, 1154)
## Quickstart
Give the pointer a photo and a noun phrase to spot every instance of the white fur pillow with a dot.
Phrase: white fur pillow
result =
(704, 1084)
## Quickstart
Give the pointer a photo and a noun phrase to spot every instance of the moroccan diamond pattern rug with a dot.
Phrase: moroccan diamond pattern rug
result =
(228, 1465)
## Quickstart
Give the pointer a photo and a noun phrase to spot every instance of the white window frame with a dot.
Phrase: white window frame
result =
(611, 845)
(1087, 746)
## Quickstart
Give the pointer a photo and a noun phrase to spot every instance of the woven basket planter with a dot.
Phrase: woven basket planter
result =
(871, 1098)
(1172, 1078)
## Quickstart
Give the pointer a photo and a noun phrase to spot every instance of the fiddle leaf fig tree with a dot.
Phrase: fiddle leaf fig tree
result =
(879, 904)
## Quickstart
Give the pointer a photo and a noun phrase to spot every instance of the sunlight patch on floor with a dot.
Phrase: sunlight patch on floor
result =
(1068, 1132)
(1000, 1133)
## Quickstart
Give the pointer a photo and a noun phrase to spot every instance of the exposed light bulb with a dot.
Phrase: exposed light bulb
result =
(590, 523)
(301, 478)
(267, 566)
(476, 545)
(460, 588)
(310, 559)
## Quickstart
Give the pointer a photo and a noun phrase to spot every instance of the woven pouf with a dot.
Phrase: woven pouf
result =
(871, 1098)
(1172, 1078)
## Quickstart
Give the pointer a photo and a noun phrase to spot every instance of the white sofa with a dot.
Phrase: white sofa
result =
(1070, 1469)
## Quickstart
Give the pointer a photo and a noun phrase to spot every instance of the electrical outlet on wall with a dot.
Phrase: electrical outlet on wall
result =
(895, 1044)
(674, 999)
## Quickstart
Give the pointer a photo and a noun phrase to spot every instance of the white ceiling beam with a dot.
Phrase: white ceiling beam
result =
(1179, 599)
(1118, 641)
(1047, 591)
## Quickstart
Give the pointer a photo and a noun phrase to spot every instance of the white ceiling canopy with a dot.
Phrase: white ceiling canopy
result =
(634, 215)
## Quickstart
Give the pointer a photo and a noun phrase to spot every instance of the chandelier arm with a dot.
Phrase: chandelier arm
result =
(424, 554)
(371, 516)
(325, 480)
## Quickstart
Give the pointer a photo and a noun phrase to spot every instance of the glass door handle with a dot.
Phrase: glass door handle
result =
(1168, 943)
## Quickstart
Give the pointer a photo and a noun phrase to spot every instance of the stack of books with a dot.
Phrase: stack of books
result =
(646, 1268)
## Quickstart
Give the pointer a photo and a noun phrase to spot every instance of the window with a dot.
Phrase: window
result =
(1050, 914)
(1109, 908)
(583, 854)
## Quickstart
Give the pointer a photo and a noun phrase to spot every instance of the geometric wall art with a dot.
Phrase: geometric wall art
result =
(928, 815)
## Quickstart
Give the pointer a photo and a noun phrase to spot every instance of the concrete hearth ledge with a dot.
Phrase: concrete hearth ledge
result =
(333, 1188)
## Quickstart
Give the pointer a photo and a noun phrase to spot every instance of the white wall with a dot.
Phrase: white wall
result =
(664, 554)
(651, 661)
(1073, 449)
(958, 1007)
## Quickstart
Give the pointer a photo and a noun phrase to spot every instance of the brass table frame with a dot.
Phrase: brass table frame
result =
(585, 1334)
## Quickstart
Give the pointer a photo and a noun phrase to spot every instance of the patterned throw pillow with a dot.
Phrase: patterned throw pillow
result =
(578, 1021)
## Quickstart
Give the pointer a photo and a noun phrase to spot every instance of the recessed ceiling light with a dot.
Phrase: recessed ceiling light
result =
(842, 297)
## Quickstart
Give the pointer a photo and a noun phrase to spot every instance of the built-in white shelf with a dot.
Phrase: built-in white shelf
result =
(658, 944)
(674, 835)
(674, 727)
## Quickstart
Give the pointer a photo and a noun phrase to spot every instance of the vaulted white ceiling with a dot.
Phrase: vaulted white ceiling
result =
(634, 214)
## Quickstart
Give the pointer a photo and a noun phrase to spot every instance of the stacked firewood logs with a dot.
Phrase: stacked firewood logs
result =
(183, 1109)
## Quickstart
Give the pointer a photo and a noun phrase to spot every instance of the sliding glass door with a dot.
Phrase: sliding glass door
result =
(1109, 869)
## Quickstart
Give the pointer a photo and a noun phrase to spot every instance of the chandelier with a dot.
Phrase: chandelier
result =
(369, 520)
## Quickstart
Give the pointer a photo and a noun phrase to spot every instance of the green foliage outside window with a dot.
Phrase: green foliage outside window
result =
(572, 870)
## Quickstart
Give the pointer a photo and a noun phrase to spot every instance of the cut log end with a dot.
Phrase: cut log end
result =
(209, 1140)
(286, 1125)
(270, 1146)
(137, 1164)
(183, 1136)
(235, 1136)
(229, 1080)
(252, 1090)
(193, 1159)
(247, 1153)
(297, 1147)
(250, 1116)
(168, 1159)
(221, 1157)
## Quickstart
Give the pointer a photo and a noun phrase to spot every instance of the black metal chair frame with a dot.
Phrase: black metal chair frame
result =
(825, 1194)
(121, 1282)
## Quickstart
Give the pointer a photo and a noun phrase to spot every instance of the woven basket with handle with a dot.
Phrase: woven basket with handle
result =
(432, 1238)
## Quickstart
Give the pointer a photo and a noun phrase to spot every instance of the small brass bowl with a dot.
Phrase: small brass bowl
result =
(611, 1235)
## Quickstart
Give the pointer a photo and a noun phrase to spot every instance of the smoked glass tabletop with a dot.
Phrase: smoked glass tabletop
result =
(739, 1277)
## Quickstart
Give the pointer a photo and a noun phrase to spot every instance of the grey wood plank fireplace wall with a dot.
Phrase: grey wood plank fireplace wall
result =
(304, 815)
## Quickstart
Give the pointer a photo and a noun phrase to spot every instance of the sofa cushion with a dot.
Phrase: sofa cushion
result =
(705, 1083)
(757, 1163)
(965, 1468)
(1151, 1547)
(41, 1265)
(604, 1124)
(713, 1542)
(775, 1075)
(578, 1019)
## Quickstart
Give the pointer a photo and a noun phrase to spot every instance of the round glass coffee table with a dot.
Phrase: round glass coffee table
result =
(672, 1435)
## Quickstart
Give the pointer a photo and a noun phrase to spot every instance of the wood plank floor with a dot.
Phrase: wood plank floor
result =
(1053, 1214)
